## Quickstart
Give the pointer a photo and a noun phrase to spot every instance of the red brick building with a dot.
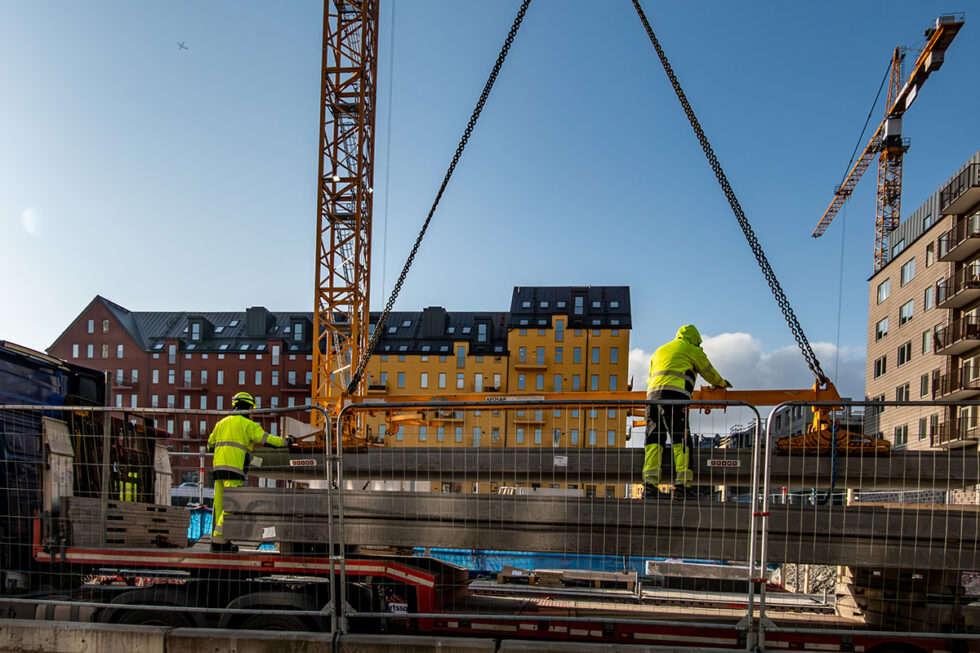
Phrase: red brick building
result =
(192, 361)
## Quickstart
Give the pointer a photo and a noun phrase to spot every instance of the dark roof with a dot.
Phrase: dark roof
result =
(531, 307)
(432, 330)
(435, 329)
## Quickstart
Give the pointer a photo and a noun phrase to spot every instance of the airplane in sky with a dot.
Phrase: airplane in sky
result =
(181, 46)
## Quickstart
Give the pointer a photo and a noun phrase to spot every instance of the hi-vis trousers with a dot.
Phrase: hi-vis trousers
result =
(665, 421)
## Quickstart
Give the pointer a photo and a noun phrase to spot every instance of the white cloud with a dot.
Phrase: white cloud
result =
(30, 219)
(740, 358)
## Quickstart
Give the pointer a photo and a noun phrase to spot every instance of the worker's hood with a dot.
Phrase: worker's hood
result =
(689, 332)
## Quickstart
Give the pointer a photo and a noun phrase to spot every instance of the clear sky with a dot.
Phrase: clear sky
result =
(168, 179)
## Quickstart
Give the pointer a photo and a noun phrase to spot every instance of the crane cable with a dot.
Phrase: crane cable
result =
(383, 318)
(760, 256)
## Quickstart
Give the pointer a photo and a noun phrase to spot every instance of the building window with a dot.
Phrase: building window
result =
(881, 329)
(594, 382)
(478, 383)
(577, 355)
(459, 434)
(171, 376)
(881, 366)
(902, 392)
(481, 332)
(74, 351)
(275, 377)
(559, 330)
(905, 312)
(105, 351)
(883, 290)
(298, 332)
(612, 382)
(291, 377)
(537, 436)
(520, 436)
(520, 382)
(172, 354)
(258, 377)
(927, 299)
(905, 353)
(611, 438)
(156, 376)
(187, 402)
(219, 402)
(90, 351)
(460, 357)
(592, 440)
(897, 248)
(424, 380)
(595, 354)
(170, 401)
(925, 342)
(556, 437)
(558, 354)
(522, 354)
(901, 435)
(241, 377)
(540, 355)
(275, 354)
(154, 401)
(923, 386)
(105, 326)
(930, 254)
(576, 382)
(614, 355)
(204, 377)
(91, 326)
(579, 305)
(119, 351)
(573, 437)
(557, 383)
(422, 433)
(908, 272)
(460, 381)
(401, 379)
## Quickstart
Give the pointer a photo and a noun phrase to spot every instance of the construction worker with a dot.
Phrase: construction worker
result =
(674, 369)
(232, 441)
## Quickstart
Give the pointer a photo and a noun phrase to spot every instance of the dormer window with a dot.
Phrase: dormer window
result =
(298, 332)
(195, 331)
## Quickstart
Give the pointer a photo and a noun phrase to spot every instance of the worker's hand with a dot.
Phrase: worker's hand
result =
(727, 384)
(290, 441)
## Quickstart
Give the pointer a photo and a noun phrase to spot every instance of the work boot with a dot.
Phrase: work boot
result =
(651, 491)
(686, 493)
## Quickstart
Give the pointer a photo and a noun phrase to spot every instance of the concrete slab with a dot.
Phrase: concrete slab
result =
(215, 640)
(416, 644)
(19, 635)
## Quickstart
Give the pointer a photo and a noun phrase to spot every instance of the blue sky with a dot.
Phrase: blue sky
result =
(169, 179)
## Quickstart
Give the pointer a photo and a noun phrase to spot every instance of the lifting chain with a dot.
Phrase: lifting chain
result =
(760, 256)
(383, 318)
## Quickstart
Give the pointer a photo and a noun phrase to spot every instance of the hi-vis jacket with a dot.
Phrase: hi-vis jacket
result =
(233, 439)
(676, 365)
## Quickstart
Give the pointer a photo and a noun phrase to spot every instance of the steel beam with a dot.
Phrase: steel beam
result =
(908, 470)
(875, 536)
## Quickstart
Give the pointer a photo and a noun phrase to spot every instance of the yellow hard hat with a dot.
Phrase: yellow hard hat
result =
(243, 398)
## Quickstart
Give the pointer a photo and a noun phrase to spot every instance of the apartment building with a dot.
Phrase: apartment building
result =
(924, 320)
(554, 339)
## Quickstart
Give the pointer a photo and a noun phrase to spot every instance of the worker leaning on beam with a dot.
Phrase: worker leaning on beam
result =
(232, 441)
(674, 369)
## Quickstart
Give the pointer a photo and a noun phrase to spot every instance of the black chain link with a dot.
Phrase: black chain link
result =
(383, 318)
(760, 256)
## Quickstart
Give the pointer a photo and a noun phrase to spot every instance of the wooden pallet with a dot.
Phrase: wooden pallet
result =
(127, 524)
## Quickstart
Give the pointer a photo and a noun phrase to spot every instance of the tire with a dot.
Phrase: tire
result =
(153, 617)
(281, 622)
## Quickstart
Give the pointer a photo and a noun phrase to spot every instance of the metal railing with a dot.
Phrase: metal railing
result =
(966, 278)
(964, 329)
(967, 179)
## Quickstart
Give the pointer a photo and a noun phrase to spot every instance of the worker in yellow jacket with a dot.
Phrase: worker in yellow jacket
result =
(674, 369)
(232, 441)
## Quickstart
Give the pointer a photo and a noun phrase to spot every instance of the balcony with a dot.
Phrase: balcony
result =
(302, 387)
(952, 435)
(530, 365)
(960, 289)
(957, 337)
(125, 383)
(962, 241)
(957, 384)
(962, 193)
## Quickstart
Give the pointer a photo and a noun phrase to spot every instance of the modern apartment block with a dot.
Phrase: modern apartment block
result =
(553, 339)
(924, 320)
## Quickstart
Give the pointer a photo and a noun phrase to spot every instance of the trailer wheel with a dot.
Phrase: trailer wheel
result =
(171, 618)
(283, 622)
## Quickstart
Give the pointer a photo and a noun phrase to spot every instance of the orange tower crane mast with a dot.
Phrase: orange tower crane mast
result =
(348, 87)
(887, 141)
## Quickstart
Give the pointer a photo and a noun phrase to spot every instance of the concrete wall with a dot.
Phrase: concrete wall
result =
(19, 635)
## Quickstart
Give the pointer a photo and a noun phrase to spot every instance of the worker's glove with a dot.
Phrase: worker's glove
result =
(290, 441)
(727, 384)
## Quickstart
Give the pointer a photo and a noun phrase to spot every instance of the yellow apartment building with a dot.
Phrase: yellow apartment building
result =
(569, 340)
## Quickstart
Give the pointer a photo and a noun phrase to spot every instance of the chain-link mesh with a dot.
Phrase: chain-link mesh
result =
(379, 328)
(760, 256)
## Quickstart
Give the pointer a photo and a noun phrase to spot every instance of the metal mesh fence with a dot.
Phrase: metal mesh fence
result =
(505, 519)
